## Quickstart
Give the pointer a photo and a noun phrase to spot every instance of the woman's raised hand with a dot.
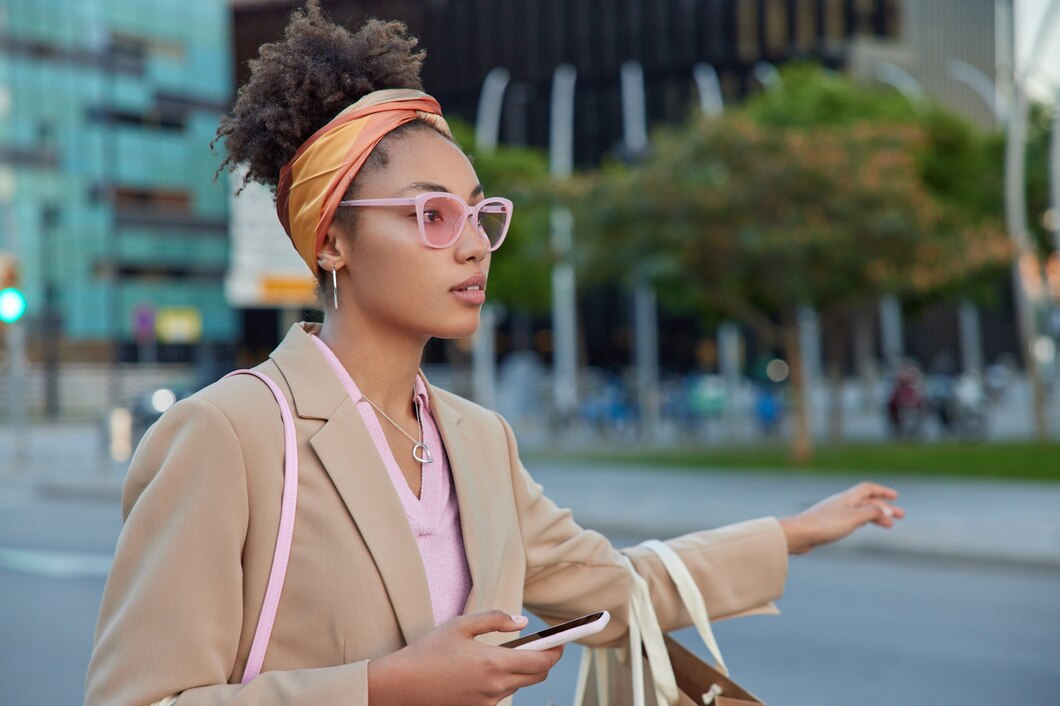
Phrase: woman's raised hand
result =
(837, 516)
(448, 666)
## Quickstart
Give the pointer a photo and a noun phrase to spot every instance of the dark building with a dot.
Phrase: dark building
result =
(465, 39)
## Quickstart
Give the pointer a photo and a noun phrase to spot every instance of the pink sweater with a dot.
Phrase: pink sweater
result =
(434, 517)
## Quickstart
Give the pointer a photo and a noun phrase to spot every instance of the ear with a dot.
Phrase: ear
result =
(331, 256)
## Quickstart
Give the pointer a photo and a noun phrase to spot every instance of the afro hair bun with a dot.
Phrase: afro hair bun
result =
(301, 82)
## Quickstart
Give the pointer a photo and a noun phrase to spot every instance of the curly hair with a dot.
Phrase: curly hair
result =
(301, 82)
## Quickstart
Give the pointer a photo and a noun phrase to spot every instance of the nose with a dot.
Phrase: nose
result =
(472, 244)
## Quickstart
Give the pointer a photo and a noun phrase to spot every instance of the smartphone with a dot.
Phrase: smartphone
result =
(564, 632)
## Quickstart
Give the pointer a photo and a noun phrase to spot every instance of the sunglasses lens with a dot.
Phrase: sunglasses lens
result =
(442, 220)
(493, 220)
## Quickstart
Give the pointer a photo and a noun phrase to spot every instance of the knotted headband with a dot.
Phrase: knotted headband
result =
(317, 177)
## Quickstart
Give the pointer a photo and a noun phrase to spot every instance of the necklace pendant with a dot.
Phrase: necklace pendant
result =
(422, 453)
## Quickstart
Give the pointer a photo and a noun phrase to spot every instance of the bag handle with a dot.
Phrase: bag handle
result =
(644, 630)
(284, 537)
(690, 595)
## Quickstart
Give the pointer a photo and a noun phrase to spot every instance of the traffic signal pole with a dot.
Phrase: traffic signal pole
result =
(17, 369)
(14, 334)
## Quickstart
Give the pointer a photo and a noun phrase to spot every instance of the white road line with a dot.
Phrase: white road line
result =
(55, 564)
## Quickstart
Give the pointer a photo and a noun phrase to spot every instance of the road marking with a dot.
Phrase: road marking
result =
(55, 564)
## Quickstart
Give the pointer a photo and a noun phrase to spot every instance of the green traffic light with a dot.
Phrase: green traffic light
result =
(12, 305)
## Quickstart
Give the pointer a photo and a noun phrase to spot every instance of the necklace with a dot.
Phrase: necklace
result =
(421, 452)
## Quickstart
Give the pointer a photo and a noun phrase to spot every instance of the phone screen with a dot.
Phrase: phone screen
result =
(562, 627)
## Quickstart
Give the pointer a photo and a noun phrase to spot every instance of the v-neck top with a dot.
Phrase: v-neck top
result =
(434, 517)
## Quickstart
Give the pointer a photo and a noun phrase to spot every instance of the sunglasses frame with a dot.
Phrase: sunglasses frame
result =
(470, 213)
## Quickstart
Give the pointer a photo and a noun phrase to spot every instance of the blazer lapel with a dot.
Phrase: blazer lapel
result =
(351, 459)
(475, 489)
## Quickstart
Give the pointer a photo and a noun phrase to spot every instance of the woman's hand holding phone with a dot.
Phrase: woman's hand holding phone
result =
(448, 666)
(563, 633)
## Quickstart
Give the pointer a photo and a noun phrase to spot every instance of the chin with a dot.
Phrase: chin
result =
(461, 327)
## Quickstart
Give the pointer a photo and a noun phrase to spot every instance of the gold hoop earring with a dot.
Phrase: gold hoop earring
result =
(335, 286)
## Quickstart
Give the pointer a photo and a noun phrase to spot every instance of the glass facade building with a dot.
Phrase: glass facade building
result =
(107, 190)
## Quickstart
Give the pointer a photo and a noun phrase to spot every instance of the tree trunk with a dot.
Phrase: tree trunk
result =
(801, 439)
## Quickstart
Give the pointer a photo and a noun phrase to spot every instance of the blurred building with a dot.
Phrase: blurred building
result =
(949, 47)
(107, 110)
(465, 39)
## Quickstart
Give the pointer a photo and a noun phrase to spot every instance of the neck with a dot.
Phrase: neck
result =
(383, 364)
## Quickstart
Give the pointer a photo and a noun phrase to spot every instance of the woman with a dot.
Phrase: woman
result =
(419, 536)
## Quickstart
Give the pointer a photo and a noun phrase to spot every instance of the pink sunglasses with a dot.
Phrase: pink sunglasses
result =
(441, 216)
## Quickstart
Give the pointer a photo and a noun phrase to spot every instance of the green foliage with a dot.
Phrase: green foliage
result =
(820, 193)
(520, 272)
(1039, 137)
(811, 97)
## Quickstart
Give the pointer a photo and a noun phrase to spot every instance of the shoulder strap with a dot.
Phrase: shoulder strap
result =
(284, 537)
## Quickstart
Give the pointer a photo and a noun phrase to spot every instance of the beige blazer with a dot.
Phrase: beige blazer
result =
(202, 502)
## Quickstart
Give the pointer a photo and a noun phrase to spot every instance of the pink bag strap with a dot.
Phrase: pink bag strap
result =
(284, 537)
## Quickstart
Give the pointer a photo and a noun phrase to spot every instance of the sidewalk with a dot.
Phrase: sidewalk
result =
(986, 521)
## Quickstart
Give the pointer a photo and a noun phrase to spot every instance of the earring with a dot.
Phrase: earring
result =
(335, 286)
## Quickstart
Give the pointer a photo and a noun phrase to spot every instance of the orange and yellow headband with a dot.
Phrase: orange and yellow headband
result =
(317, 177)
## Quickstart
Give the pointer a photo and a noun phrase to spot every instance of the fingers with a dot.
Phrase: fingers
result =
(491, 621)
(531, 661)
(881, 513)
(868, 489)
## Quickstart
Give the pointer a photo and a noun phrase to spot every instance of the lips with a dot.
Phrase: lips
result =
(471, 292)
(471, 284)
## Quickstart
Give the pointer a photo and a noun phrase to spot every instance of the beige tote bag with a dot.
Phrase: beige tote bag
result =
(675, 676)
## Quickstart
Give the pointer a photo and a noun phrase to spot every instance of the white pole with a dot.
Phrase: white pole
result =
(564, 304)
(711, 101)
(645, 314)
(891, 334)
(634, 120)
(767, 75)
(483, 342)
(809, 324)
(902, 81)
(971, 337)
(963, 72)
(490, 105)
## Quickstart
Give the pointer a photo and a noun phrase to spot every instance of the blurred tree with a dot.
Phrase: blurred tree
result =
(520, 272)
(816, 194)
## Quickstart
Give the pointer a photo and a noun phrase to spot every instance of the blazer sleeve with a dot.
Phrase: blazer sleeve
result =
(739, 568)
(172, 610)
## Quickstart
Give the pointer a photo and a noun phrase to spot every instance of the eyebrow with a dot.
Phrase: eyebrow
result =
(431, 186)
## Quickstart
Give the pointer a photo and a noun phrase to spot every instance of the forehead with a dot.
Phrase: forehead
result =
(424, 156)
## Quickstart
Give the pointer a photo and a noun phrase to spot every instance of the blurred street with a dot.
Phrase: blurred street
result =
(959, 604)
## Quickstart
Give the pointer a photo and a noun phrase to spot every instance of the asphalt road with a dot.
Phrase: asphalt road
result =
(857, 628)
(865, 630)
